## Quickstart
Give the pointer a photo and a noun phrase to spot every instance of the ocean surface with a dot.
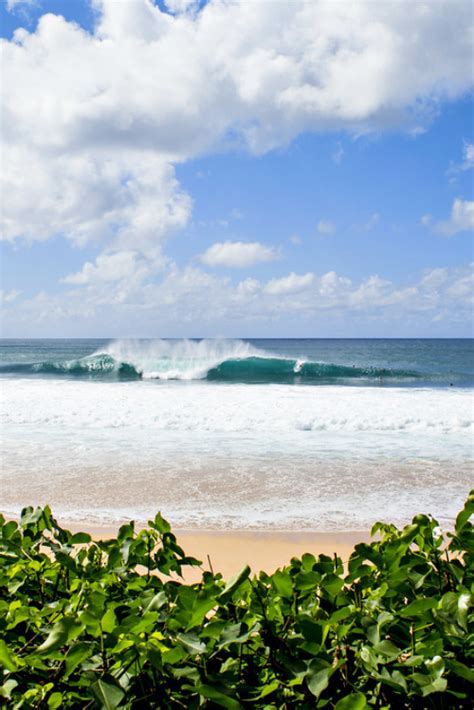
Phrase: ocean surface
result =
(300, 434)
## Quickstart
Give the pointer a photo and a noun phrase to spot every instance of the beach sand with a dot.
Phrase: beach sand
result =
(228, 551)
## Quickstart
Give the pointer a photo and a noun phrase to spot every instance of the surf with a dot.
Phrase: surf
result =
(230, 361)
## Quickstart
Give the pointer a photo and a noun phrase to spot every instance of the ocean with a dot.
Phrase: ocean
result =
(300, 434)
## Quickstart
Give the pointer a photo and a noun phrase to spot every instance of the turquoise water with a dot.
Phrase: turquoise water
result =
(242, 434)
(435, 363)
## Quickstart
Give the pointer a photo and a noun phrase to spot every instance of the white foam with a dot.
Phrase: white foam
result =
(178, 359)
(214, 455)
(204, 407)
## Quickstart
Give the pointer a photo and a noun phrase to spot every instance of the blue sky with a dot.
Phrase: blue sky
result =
(263, 206)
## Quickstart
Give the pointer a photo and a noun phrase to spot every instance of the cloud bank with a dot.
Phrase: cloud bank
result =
(95, 123)
(190, 298)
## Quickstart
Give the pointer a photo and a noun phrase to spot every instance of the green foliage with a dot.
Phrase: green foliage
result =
(110, 624)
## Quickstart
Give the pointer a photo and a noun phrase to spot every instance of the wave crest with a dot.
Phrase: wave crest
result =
(214, 360)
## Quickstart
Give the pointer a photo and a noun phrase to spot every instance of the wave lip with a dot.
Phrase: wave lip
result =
(227, 361)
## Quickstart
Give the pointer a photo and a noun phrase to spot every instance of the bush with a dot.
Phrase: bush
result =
(108, 624)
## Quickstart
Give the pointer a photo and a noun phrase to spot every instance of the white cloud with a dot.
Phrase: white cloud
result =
(237, 254)
(179, 301)
(462, 288)
(324, 226)
(14, 4)
(461, 219)
(9, 296)
(468, 155)
(426, 220)
(93, 123)
(293, 283)
(466, 164)
(248, 287)
(331, 284)
(435, 278)
(107, 267)
(178, 6)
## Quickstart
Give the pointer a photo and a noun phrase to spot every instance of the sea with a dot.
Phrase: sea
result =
(244, 434)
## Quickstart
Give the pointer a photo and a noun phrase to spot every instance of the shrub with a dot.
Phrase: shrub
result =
(110, 624)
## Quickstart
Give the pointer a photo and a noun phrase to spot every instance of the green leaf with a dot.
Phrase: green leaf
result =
(456, 606)
(268, 690)
(234, 584)
(161, 524)
(109, 621)
(282, 583)
(65, 630)
(107, 695)
(438, 685)
(7, 688)
(55, 701)
(156, 602)
(461, 670)
(332, 584)
(7, 659)
(192, 643)
(319, 681)
(80, 538)
(235, 633)
(418, 607)
(387, 648)
(211, 693)
(465, 514)
(311, 629)
(76, 655)
(354, 701)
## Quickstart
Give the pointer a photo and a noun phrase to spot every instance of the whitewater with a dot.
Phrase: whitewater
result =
(287, 435)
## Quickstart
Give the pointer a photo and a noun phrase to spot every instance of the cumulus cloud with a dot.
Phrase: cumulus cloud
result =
(94, 122)
(461, 219)
(181, 5)
(107, 267)
(207, 302)
(324, 226)
(293, 283)
(237, 254)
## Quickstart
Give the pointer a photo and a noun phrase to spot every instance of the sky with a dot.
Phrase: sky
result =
(239, 169)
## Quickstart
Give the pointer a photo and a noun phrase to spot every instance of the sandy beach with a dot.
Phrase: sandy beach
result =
(230, 550)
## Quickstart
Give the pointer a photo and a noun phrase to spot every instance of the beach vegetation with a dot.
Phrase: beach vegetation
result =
(112, 624)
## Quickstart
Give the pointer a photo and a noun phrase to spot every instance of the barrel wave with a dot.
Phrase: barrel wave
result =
(212, 360)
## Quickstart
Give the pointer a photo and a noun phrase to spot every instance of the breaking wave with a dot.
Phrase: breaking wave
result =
(214, 360)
